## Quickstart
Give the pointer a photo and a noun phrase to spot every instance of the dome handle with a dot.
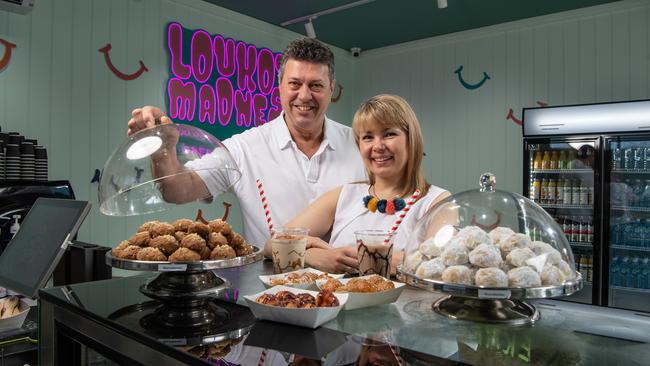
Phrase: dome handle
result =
(487, 182)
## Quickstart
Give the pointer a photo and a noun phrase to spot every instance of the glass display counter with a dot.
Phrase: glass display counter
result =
(407, 332)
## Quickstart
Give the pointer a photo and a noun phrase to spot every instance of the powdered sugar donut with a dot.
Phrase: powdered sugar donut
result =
(512, 242)
(429, 248)
(431, 269)
(524, 277)
(500, 233)
(491, 277)
(563, 266)
(457, 274)
(551, 276)
(519, 256)
(539, 247)
(485, 255)
(472, 236)
(454, 254)
(412, 261)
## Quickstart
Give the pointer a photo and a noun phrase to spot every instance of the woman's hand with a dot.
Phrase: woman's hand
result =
(314, 242)
(333, 260)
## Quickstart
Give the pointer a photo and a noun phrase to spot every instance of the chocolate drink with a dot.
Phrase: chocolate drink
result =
(374, 258)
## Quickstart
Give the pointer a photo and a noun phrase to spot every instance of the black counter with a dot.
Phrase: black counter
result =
(110, 317)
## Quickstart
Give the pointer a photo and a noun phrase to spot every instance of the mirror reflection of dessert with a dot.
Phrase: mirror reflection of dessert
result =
(299, 278)
(9, 307)
(287, 299)
(212, 352)
(500, 258)
(184, 240)
(373, 283)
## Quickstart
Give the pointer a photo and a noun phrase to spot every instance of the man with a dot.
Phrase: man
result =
(299, 155)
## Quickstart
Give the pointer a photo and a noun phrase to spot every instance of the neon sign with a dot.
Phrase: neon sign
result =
(227, 86)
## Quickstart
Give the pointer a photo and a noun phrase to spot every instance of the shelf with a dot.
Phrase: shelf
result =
(581, 244)
(630, 289)
(583, 207)
(564, 171)
(630, 171)
(628, 247)
(630, 208)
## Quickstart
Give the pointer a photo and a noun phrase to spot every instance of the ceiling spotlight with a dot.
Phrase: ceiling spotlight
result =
(309, 28)
(442, 4)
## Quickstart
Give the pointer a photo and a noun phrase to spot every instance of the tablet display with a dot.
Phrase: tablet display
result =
(31, 256)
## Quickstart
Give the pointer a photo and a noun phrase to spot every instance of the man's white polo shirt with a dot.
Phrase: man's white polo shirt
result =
(291, 180)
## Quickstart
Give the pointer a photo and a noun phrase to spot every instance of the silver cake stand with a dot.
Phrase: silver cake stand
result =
(186, 289)
(502, 305)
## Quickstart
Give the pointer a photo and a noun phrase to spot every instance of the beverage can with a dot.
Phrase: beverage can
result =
(567, 192)
(575, 192)
(638, 158)
(590, 230)
(575, 228)
(628, 159)
(616, 158)
(646, 158)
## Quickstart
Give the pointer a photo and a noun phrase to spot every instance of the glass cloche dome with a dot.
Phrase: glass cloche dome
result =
(149, 171)
(490, 244)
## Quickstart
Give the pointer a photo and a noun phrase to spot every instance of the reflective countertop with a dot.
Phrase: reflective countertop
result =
(407, 332)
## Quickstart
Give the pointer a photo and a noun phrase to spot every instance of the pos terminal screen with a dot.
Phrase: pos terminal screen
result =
(31, 256)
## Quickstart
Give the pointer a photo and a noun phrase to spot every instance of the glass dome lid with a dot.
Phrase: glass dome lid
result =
(488, 238)
(151, 170)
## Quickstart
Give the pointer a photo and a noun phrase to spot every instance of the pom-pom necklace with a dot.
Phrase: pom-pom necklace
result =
(388, 207)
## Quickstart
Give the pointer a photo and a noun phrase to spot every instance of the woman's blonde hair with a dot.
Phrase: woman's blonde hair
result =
(390, 111)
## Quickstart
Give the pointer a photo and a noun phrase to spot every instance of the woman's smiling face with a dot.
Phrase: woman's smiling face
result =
(384, 150)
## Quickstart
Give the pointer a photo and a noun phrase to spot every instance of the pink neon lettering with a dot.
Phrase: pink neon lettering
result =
(222, 77)
(224, 101)
(246, 62)
(207, 104)
(224, 54)
(265, 70)
(259, 105)
(182, 99)
(175, 44)
(244, 108)
(202, 58)
(276, 105)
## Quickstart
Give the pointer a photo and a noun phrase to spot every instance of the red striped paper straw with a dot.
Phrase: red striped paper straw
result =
(265, 204)
(399, 220)
(269, 222)
(262, 358)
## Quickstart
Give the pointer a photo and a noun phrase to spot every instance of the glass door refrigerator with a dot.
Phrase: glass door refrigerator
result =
(586, 166)
(627, 217)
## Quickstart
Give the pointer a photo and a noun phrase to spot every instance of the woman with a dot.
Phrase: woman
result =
(389, 138)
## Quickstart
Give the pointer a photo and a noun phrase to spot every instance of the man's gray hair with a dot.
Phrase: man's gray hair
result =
(310, 50)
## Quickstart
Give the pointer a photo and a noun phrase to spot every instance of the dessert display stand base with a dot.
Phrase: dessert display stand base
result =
(511, 312)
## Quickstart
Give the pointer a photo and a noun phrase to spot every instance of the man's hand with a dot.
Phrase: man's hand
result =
(146, 117)
(335, 260)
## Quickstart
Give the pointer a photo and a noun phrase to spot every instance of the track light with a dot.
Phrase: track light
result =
(442, 4)
(309, 28)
